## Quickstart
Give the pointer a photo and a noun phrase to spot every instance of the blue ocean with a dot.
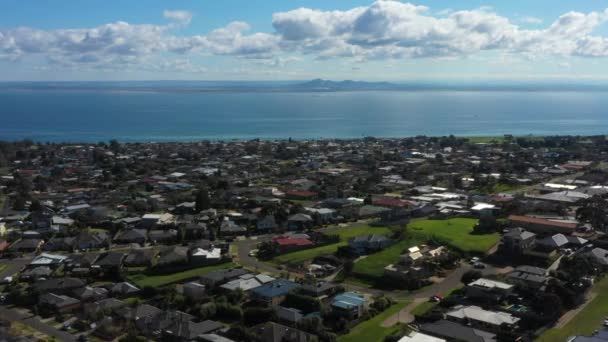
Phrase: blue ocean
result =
(91, 114)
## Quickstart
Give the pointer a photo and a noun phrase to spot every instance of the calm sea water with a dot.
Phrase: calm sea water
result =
(92, 116)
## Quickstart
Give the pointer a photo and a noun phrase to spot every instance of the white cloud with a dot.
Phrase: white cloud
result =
(385, 29)
(183, 17)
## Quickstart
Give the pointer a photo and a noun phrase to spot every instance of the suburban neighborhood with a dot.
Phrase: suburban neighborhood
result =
(397, 240)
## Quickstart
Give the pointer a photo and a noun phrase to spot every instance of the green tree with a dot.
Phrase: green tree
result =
(203, 201)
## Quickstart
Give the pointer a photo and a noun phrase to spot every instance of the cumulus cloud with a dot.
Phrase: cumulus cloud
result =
(385, 29)
(531, 20)
(392, 29)
(183, 17)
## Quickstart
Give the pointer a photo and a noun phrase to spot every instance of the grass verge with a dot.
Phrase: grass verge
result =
(143, 280)
(372, 330)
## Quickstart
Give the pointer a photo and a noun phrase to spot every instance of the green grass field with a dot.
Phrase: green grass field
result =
(456, 233)
(143, 280)
(373, 265)
(344, 233)
(589, 319)
(372, 330)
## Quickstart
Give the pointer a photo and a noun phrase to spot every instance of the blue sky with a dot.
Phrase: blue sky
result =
(281, 40)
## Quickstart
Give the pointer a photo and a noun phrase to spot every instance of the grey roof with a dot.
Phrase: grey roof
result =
(519, 233)
(555, 241)
(456, 331)
(600, 255)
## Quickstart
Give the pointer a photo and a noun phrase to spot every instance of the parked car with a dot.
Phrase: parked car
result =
(479, 265)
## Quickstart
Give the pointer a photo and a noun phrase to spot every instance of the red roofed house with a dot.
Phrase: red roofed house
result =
(541, 225)
(390, 202)
(289, 244)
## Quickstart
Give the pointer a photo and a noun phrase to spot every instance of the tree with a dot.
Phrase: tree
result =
(594, 210)
(202, 200)
(470, 276)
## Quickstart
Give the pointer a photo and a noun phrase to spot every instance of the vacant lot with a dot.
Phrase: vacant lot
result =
(143, 280)
(589, 319)
(344, 233)
(372, 330)
(456, 233)
(372, 266)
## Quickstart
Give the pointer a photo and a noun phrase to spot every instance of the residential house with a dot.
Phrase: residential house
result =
(26, 246)
(528, 276)
(299, 222)
(365, 244)
(102, 307)
(291, 316)
(58, 285)
(319, 290)
(453, 331)
(230, 228)
(36, 273)
(59, 244)
(154, 325)
(415, 336)
(139, 257)
(275, 332)
(349, 304)
(90, 294)
(552, 243)
(274, 292)
(131, 236)
(48, 260)
(480, 318)
(288, 243)
(218, 277)
(110, 261)
(194, 291)
(58, 303)
(247, 282)
(92, 240)
(517, 240)
(124, 289)
(133, 314)
(266, 224)
(193, 231)
(488, 290)
(543, 225)
(163, 236)
(598, 256)
(189, 330)
(174, 255)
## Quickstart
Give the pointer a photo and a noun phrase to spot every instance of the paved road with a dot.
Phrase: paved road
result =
(450, 282)
(245, 246)
(13, 266)
(13, 315)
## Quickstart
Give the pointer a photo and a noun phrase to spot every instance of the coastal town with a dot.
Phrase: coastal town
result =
(421, 239)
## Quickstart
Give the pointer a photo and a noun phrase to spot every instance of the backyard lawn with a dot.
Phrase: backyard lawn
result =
(344, 233)
(372, 330)
(456, 233)
(589, 319)
(143, 280)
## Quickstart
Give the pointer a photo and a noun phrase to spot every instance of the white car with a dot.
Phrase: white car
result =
(253, 252)
(7, 280)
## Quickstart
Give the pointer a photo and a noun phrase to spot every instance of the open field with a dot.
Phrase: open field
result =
(345, 234)
(454, 232)
(372, 330)
(143, 280)
(457, 233)
(589, 319)
(373, 265)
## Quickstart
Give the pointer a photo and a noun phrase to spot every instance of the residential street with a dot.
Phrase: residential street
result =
(14, 315)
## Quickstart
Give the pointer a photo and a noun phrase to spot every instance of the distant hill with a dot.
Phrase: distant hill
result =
(327, 85)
